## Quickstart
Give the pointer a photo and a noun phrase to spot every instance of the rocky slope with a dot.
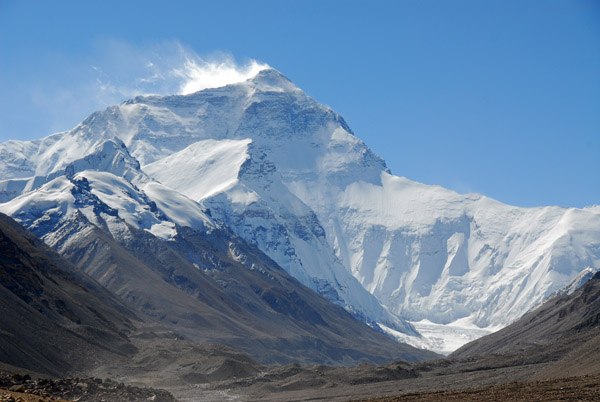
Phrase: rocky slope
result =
(564, 331)
(53, 318)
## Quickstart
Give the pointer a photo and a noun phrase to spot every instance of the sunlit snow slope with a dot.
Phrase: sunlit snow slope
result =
(288, 174)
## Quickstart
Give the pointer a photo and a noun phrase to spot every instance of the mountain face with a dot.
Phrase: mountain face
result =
(288, 175)
(54, 318)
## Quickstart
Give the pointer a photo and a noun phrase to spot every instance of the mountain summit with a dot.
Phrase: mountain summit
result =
(288, 175)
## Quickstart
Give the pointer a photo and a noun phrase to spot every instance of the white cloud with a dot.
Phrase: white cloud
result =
(166, 69)
(198, 74)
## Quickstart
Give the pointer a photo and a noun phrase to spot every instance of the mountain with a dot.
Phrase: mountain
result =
(163, 255)
(54, 318)
(287, 174)
(562, 335)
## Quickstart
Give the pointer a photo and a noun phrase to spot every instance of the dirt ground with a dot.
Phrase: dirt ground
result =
(586, 388)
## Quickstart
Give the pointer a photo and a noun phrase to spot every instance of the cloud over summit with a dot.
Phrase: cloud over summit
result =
(170, 68)
(198, 74)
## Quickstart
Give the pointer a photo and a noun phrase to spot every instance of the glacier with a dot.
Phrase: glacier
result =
(423, 264)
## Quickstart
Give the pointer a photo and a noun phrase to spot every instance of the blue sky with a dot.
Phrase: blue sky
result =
(495, 97)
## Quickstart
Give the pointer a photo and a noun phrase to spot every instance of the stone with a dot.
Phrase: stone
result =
(17, 388)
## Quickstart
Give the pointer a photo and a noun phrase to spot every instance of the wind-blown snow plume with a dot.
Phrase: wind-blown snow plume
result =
(168, 68)
(198, 74)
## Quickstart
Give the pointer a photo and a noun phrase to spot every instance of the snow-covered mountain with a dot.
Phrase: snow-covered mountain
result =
(162, 254)
(287, 174)
(102, 185)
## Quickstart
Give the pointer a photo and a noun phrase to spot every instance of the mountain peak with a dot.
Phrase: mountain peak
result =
(271, 80)
(270, 74)
(111, 156)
